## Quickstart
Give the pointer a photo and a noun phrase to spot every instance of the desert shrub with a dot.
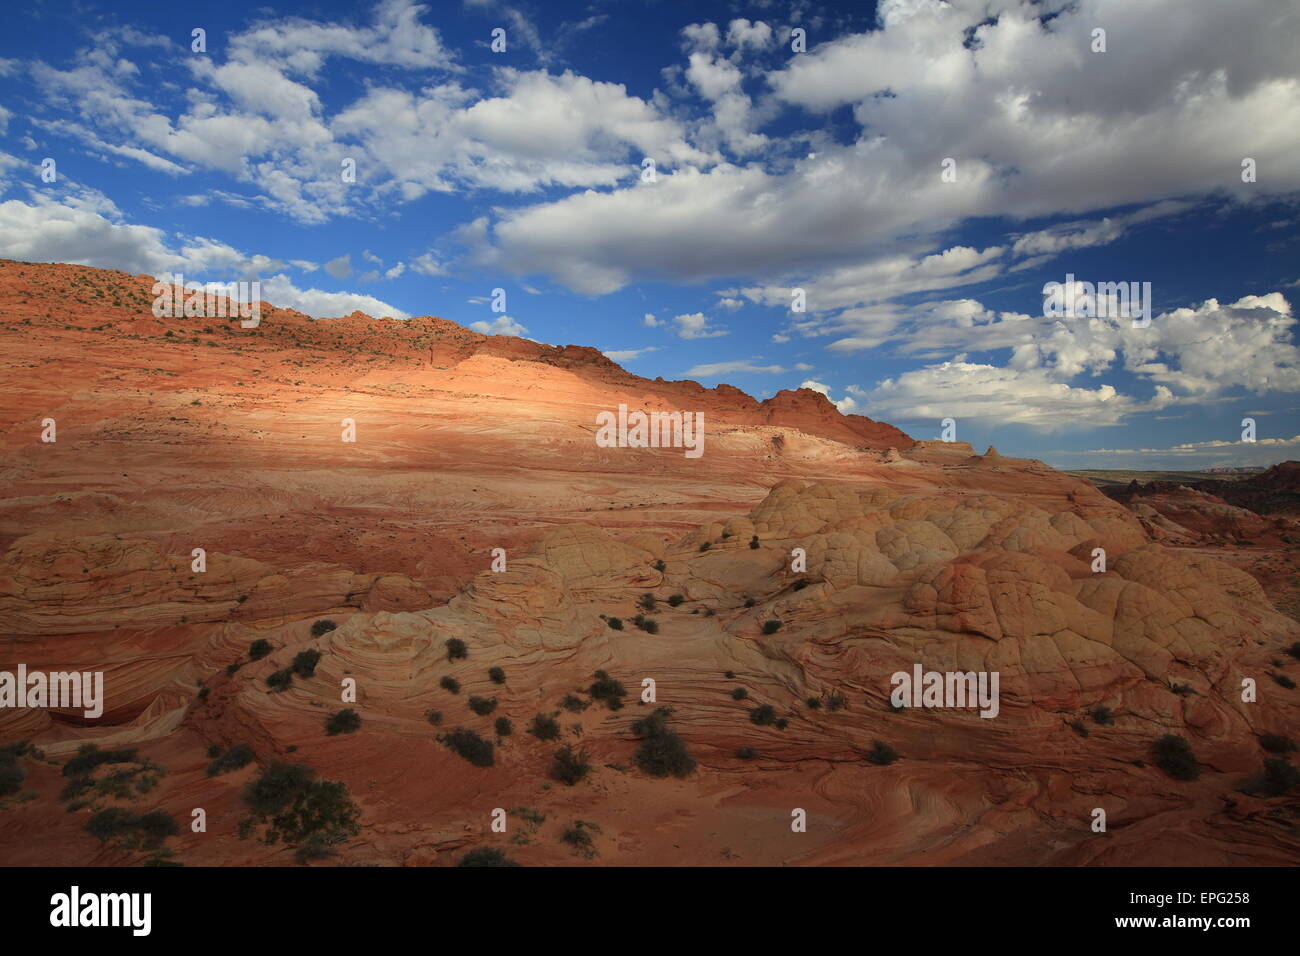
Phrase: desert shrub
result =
(616, 623)
(496, 675)
(781, 723)
(1277, 778)
(574, 704)
(280, 680)
(486, 856)
(800, 584)
(503, 727)
(545, 728)
(276, 787)
(482, 705)
(240, 755)
(346, 721)
(771, 626)
(813, 702)
(660, 566)
(608, 691)
(434, 717)
(136, 830)
(1282, 680)
(450, 683)
(662, 751)
(304, 662)
(836, 702)
(231, 668)
(881, 753)
(746, 753)
(739, 693)
(569, 767)
(647, 602)
(1078, 727)
(706, 545)
(259, 649)
(12, 775)
(675, 600)
(89, 756)
(469, 745)
(1294, 650)
(753, 543)
(457, 650)
(579, 837)
(1182, 690)
(764, 715)
(1102, 715)
(214, 751)
(750, 602)
(647, 624)
(314, 849)
(1174, 756)
(1276, 743)
(323, 626)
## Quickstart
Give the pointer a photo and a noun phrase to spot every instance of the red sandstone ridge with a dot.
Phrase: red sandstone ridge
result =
(193, 433)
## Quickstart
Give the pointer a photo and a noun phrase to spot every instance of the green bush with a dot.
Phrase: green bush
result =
(1174, 756)
(457, 650)
(881, 753)
(569, 767)
(346, 721)
(647, 624)
(1277, 779)
(322, 627)
(647, 602)
(304, 662)
(615, 623)
(89, 756)
(240, 755)
(545, 728)
(482, 705)
(259, 649)
(137, 830)
(276, 787)
(574, 704)
(1276, 743)
(469, 745)
(12, 775)
(662, 751)
(608, 691)
(486, 856)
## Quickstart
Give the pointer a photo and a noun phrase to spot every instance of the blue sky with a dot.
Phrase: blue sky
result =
(775, 170)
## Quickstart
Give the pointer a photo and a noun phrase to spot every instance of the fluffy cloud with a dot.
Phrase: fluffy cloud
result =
(86, 230)
(501, 325)
(696, 326)
(744, 366)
